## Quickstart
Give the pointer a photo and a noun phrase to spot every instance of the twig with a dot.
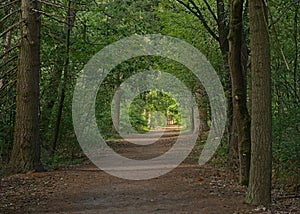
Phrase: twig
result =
(50, 16)
(211, 11)
(286, 9)
(8, 15)
(199, 15)
(8, 61)
(278, 42)
(9, 50)
(11, 27)
(287, 196)
(9, 72)
(51, 4)
(10, 106)
(8, 4)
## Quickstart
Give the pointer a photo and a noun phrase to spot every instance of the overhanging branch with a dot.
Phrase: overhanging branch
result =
(197, 12)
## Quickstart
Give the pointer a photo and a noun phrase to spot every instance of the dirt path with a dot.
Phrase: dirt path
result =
(85, 189)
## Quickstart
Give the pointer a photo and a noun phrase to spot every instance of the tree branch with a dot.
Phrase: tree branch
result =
(210, 10)
(8, 15)
(278, 42)
(51, 4)
(50, 16)
(222, 27)
(204, 22)
(9, 50)
(284, 11)
(11, 27)
(199, 15)
(8, 61)
(8, 4)
(9, 73)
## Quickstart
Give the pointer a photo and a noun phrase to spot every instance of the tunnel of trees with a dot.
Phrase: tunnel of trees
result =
(252, 44)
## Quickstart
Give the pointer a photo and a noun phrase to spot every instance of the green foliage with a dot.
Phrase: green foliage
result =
(286, 101)
(99, 23)
(137, 115)
(62, 160)
(286, 144)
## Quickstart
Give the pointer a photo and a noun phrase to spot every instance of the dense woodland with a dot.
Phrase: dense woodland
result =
(252, 44)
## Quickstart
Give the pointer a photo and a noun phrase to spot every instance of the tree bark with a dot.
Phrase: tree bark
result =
(296, 17)
(259, 191)
(203, 126)
(70, 17)
(53, 95)
(116, 109)
(25, 154)
(239, 98)
(224, 46)
(234, 113)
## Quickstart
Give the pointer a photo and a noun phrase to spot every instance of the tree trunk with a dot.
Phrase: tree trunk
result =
(259, 191)
(224, 46)
(193, 127)
(202, 100)
(233, 144)
(221, 20)
(239, 98)
(52, 96)
(296, 17)
(150, 119)
(47, 108)
(25, 154)
(69, 20)
(116, 109)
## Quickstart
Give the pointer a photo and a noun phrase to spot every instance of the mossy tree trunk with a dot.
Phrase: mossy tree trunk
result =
(239, 95)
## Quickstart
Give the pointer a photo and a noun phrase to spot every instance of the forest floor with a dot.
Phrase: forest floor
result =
(84, 188)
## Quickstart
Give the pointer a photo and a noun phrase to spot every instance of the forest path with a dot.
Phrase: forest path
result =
(86, 189)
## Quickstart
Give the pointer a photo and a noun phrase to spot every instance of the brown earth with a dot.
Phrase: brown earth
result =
(86, 189)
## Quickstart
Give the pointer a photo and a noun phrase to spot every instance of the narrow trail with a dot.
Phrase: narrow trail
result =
(86, 189)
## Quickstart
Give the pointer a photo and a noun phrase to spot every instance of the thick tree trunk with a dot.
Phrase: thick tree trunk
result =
(25, 154)
(239, 98)
(259, 191)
